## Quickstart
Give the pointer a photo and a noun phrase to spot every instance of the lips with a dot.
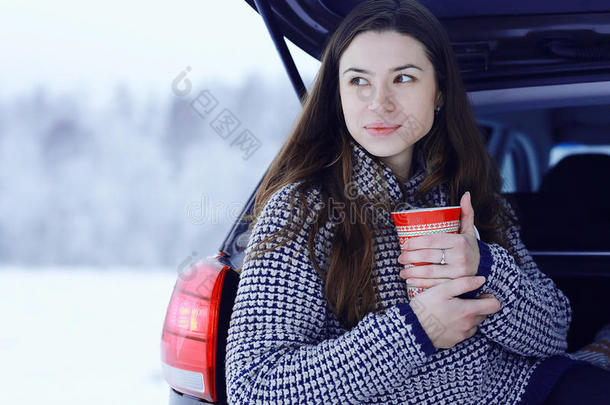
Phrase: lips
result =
(380, 128)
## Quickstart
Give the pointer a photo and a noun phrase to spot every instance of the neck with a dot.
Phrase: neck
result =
(400, 164)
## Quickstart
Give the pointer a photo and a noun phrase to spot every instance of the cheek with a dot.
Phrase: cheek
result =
(421, 114)
(427, 119)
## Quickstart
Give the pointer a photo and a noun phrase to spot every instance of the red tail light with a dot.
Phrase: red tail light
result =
(194, 334)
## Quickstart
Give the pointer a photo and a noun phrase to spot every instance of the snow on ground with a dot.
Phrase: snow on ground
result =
(82, 336)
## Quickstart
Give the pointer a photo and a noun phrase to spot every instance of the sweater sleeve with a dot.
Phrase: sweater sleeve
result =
(278, 349)
(535, 315)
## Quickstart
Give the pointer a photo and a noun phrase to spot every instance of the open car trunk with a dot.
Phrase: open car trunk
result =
(503, 46)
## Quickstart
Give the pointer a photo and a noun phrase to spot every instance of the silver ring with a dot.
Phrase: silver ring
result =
(443, 257)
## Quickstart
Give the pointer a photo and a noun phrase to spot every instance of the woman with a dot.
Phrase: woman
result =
(321, 313)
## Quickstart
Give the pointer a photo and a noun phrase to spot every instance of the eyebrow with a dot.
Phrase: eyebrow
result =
(396, 69)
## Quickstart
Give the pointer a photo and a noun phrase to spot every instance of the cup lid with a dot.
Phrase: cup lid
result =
(427, 209)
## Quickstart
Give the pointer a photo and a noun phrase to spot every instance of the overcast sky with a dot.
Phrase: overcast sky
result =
(65, 44)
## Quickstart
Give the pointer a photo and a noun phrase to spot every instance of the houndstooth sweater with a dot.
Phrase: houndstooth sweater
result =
(285, 346)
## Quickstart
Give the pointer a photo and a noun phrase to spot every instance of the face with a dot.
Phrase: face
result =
(388, 94)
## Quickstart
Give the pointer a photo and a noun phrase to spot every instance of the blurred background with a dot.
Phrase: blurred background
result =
(114, 175)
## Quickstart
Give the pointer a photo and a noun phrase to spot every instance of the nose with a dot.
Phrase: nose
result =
(382, 99)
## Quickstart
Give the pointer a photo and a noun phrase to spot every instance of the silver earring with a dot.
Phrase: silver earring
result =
(436, 110)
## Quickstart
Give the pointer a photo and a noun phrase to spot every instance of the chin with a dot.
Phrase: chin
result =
(382, 147)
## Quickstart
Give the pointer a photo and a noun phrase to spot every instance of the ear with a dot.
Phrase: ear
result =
(439, 99)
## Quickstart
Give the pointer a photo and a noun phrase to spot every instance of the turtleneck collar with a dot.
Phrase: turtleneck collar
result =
(369, 174)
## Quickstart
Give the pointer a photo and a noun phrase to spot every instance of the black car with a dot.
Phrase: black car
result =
(538, 75)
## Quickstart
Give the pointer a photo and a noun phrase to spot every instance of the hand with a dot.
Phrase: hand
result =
(448, 320)
(461, 250)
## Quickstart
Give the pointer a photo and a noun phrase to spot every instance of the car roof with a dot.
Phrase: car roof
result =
(497, 44)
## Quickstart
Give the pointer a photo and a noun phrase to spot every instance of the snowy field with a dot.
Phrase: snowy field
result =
(82, 336)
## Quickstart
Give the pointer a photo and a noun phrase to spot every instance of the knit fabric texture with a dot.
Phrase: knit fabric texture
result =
(285, 346)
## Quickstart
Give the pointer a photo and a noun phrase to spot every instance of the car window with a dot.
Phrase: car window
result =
(526, 144)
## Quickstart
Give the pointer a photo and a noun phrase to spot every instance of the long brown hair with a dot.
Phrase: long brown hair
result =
(318, 154)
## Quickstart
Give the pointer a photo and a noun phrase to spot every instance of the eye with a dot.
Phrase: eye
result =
(358, 81)
(404, 78)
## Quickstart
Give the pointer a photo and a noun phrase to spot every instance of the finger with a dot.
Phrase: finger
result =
(479, 318)
(476, 232)
(467, 215)
(429, 271)
(441, 240)
(461, 285)
(426, 282)
(485, 306)
(423, 255)
(471, 332)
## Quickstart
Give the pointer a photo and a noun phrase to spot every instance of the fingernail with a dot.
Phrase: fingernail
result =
(481, 279)
(409, 280)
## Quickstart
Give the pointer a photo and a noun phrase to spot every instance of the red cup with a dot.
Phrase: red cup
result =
(424, 221)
